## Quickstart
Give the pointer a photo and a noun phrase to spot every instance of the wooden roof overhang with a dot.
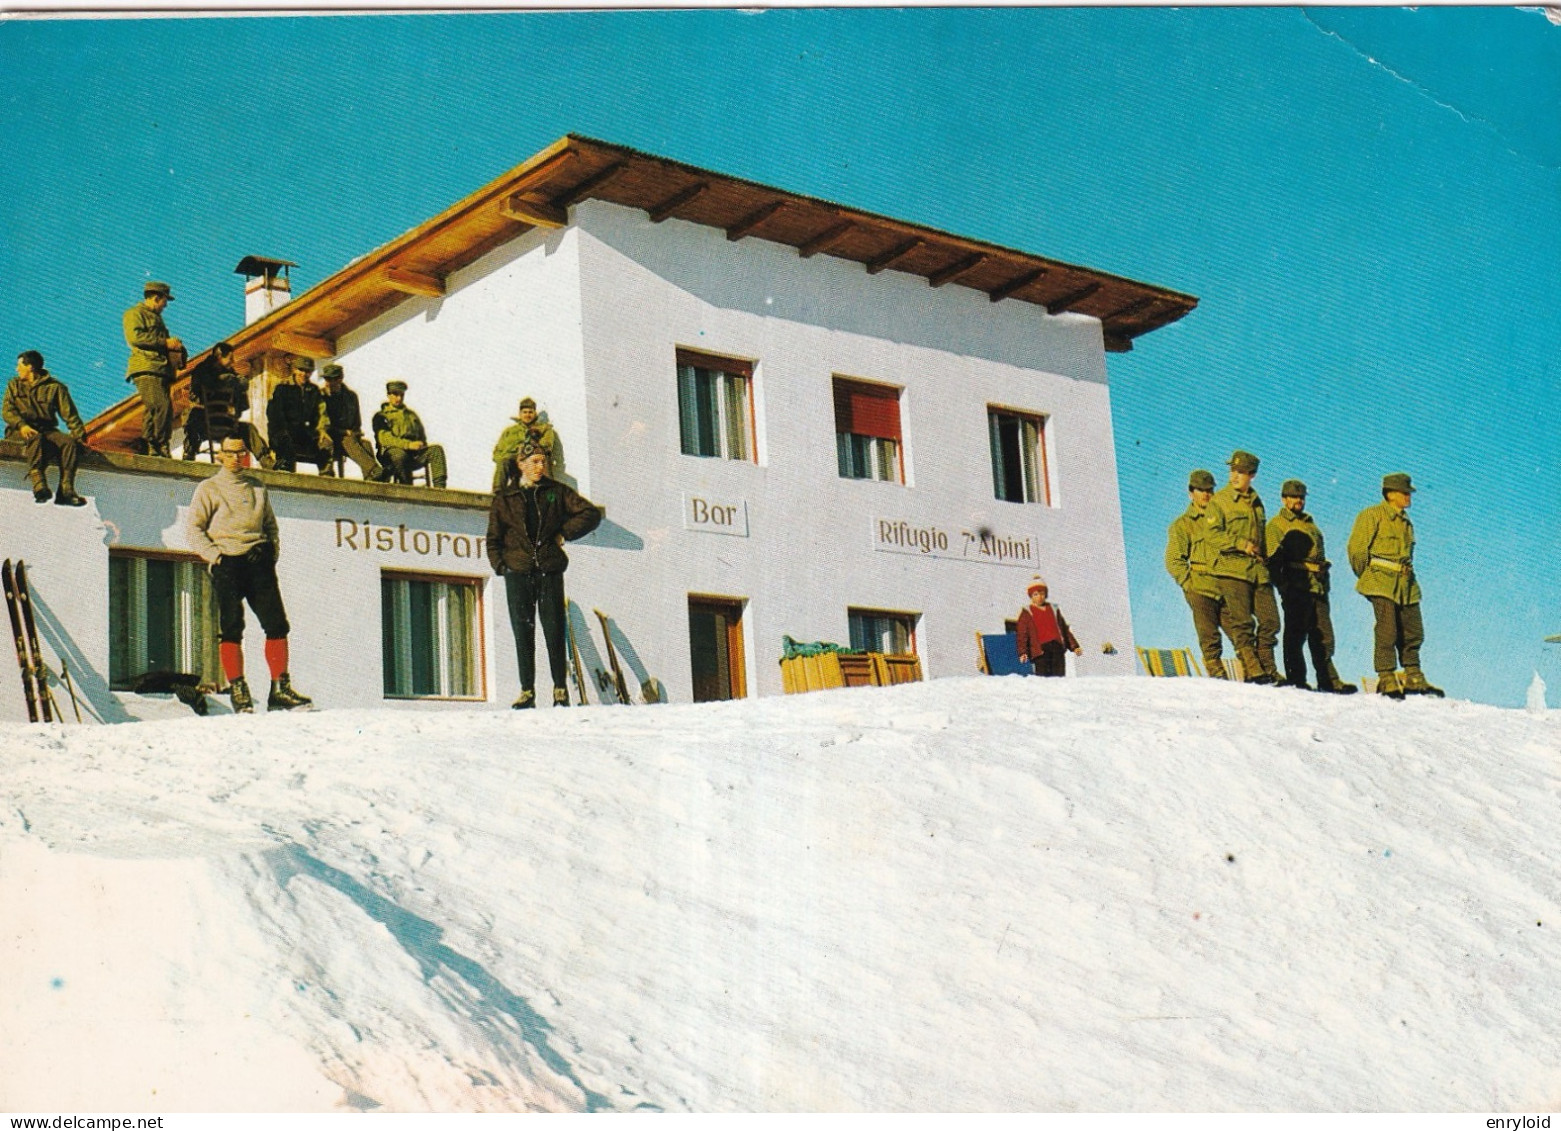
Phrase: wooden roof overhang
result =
(539, 192)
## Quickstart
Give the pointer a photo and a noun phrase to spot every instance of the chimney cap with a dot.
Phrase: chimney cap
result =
(252, 265)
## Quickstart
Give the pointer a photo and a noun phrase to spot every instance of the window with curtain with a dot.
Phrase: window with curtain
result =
(715, 406)
(431, 637)
(1019, 470)
(162, 616)
(867, 431)
(879, 630)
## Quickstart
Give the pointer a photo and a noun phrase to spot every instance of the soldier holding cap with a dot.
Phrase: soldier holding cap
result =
(155, 359)
(344, 426)
(1300, 570)
(1237, 527)
(403, 443)
(526, 427)
(1189, 559)
(296, 420)
(1382, 554)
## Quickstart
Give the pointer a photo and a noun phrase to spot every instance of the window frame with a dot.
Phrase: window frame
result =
(872, 452)
(206, 666)
(726, 370)
(911, 623)
(479, 639)
(1038, 493)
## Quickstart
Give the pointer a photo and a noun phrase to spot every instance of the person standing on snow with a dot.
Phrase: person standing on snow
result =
(528, 524)
(1382, 554)
(1237, 528)
(232, 526)
(1044, 635)
(1189, 560)
(1300, 570)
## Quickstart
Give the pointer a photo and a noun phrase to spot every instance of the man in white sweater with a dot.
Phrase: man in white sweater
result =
(233, 527)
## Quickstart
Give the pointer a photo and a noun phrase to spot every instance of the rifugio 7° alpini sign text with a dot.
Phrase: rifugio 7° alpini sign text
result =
(934, 540)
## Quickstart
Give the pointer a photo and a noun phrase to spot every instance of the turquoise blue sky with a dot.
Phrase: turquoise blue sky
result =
(1367, 202)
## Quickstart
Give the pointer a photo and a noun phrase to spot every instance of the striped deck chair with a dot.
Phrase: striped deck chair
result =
(1169, 662)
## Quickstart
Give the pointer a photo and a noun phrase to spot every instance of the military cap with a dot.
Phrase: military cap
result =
(1292, 488)
(331, 372)
(1243, 461)
(304, 363)
(397, 386)
(527, 402)
(1036, 583)
(156, 288)
(1201, 480)
(1398, 481)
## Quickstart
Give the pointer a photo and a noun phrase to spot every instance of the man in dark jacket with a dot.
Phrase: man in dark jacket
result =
(32, 402)
(1299, 567)
(528, 525)
(344, 426)
(218, 398)
(296, 420)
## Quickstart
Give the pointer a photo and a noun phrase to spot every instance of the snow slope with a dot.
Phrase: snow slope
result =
(973, 894)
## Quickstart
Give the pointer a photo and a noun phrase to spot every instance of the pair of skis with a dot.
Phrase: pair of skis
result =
(617, 686)
(29, 657)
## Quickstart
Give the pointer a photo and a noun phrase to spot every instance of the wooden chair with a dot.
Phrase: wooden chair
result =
(997, 653)
(1169, 662)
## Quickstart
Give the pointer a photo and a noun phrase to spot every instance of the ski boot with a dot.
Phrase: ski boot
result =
(238, 694)
(525, 701)
(1334, 684)
(1415, 684)
(283, 697)
(67, 497)
(560, 697)
(1387, 684)
(41, 492)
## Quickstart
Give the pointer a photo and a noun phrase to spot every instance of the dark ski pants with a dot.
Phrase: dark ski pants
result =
(1206, 623)
(248, 577)
(1053, 660)
(1250, 617)
(1399, 634)
(1308, 628)
(529, 594)
(60, 445)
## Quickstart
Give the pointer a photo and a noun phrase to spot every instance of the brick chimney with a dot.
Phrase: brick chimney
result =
(266, 285)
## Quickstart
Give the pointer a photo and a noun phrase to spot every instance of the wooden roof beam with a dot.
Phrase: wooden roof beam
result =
(1131, 308)
(414, 282)
(667, 207)
(1016, 284)
(1115, 344)
(894, 255)
(586, 187)
(305, 345)
(1058, 305)
(527, 208)
(825, 239)
(955, 270)
(751, 221)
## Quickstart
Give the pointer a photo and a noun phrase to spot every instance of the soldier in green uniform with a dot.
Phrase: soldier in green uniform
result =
(344, 426)
(1188, 559)
(33, 400)
(403, 443)
(295, 417)
(1382, 554)
(155, 358)
(1300, 571)
(1237, 527)
(526, 427)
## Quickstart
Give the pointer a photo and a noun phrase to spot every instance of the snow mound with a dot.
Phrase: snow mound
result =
(971, 894)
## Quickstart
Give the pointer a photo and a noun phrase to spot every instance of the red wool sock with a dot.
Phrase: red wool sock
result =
(231, 657)
(276, 657)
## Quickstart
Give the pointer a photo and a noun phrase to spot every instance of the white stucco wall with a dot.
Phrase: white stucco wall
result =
(809, 554)
(507, 327)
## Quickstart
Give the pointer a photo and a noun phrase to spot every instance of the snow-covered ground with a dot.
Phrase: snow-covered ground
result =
(973, 894)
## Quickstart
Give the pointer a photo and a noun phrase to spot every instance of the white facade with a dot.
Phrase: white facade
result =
(588, 319)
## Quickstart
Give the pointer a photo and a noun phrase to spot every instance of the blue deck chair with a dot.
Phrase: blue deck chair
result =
(998, 654)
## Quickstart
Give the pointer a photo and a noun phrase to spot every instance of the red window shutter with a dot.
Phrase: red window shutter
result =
(867, 410)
